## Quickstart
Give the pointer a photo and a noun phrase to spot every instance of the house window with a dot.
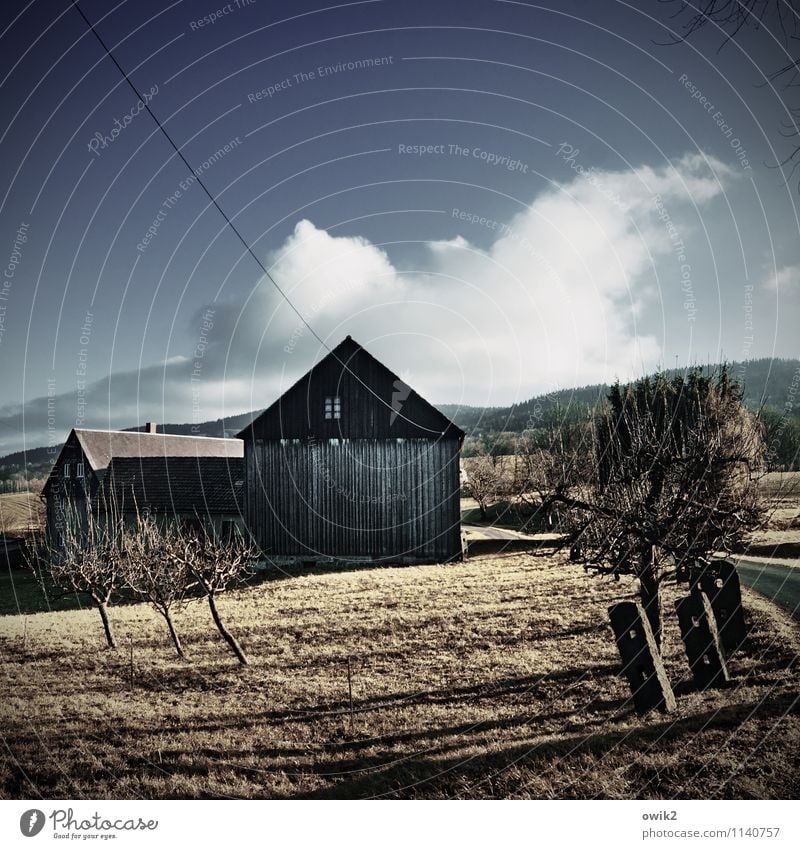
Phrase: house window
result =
(66, 471)
(79, 470)
(333, 407)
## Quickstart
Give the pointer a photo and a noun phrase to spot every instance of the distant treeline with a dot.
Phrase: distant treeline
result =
(770, 386)
(773, 383)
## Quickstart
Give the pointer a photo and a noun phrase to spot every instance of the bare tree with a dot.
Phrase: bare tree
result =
(156, 570)
(555, 460)
(484, 478)
(731, 19)
(669, 474)
(217, 565)
(88, 558)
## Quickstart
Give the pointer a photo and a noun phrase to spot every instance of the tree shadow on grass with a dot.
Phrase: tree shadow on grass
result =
(789, 550)
(446, 757)
(433, 737)
(528, 685)
(484, 690)
(437, 776)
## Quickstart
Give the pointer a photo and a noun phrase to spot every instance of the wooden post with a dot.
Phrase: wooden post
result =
(701, 640)
(725, 594)
(130, 639)
(641, 660)
(350, 691)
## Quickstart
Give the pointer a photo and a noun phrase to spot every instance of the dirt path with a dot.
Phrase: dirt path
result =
(481, 532)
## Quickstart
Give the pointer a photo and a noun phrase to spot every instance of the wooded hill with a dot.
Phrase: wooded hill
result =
(768, 382)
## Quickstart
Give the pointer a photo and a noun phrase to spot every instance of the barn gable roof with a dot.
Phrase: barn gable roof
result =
(182, 485)
(375, 403)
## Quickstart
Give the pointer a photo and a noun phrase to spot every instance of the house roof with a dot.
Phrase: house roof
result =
(185, 485)
(101, 446)
(379, 404)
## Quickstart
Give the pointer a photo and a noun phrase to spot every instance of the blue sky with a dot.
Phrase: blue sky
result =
(495, 198)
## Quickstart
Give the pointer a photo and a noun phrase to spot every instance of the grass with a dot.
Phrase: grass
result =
(493, 678)
(20, 511)
(781, 485)
(512, 515)
(21, 593)
(781, 537)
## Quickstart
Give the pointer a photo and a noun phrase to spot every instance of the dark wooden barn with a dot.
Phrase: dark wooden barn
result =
(352, 464)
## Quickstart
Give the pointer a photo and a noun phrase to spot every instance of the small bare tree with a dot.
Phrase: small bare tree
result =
(155, 570)
(554, 461)
(88, 557)
(483, 478)
(217, 565)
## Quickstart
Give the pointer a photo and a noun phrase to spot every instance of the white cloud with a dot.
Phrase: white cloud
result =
(552, 301)
(786, 280)
(325, 272)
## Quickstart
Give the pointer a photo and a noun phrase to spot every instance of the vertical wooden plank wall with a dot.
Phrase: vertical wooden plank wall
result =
(379, 498)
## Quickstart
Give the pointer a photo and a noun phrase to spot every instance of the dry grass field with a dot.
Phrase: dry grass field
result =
(20, 511)
(492, 678)
(781, 537)
(781, 493)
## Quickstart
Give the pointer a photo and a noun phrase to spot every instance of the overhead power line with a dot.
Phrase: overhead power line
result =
(200, 182)
(230, 223)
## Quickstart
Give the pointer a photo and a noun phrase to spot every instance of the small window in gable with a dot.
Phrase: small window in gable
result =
(66, 470)
(79, 470)
(333, 407)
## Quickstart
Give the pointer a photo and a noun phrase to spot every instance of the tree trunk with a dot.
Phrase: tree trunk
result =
(174, 634)
(482, 508)
(226, 634)
(650, 593)
(101, 606)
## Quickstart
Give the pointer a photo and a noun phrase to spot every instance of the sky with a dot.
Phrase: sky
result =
(495, 198)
